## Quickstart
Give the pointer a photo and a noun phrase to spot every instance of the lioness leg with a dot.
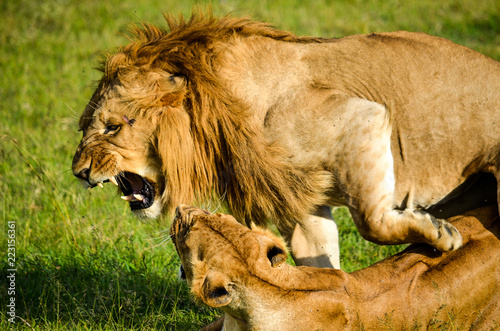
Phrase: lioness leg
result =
(315, 242)
(217, 325)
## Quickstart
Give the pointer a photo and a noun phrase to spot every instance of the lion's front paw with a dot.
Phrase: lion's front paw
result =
(448, 238)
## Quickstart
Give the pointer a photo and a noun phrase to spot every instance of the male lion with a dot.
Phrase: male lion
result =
(242, 271)
(393, 125)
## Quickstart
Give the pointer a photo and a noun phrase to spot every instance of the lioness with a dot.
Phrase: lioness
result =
(244, 272)
(393, 125)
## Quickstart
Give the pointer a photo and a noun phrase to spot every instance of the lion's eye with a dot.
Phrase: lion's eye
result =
(111, 129)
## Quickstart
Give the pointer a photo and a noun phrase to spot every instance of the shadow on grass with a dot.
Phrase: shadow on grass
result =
(89, 293)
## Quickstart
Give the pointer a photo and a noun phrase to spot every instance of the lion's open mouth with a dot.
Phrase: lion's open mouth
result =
(137, 190)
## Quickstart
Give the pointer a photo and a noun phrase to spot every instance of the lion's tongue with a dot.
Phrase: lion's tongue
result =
(135, 184)
(135, 181)
(137, 190)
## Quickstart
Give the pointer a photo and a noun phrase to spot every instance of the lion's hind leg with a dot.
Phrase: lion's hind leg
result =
(315, 242)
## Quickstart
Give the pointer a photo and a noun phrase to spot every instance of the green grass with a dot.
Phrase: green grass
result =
(84, 262)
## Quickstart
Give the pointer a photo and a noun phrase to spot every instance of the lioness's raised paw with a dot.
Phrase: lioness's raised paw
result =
(448, 238)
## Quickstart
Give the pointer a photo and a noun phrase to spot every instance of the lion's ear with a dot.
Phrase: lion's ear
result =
(276, 255)
(174, 96)
(214, 290)
(152, 87)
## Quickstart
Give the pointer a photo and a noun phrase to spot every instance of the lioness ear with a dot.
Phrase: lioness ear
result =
(214, 290)
(276, 255)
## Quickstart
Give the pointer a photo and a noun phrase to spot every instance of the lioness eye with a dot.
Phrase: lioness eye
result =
(111, 128)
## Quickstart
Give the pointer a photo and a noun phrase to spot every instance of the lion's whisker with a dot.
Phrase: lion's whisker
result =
(220, 200)
(166, 240)
(161, 236)
(70, 108)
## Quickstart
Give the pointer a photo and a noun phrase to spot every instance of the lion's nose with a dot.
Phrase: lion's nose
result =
(81, 167)
(83, 174)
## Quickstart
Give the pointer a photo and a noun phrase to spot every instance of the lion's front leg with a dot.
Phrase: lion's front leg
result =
(409, 226)
(371, 203)
(315, 242)
(379, 222)
(365, 172)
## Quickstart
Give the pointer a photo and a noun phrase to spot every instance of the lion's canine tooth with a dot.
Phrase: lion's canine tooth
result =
(138, 197)
(100, 185)
(127, 198)
(113, 180)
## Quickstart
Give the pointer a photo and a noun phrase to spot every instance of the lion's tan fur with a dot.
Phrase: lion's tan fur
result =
(229, 266)
(282, 127)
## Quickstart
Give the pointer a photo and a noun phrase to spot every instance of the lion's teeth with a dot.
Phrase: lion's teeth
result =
(113, 180)
(100, 185)
(127, 198)
(132, 197)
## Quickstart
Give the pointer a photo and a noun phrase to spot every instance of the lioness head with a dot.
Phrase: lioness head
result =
(220, 256)
(242, 271)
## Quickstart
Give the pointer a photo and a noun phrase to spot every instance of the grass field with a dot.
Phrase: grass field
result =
(83, 261)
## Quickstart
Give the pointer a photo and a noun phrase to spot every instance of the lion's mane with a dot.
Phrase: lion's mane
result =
(206, 145)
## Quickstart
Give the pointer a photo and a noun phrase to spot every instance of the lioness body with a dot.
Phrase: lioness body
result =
(284, 127)
(237, 269)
